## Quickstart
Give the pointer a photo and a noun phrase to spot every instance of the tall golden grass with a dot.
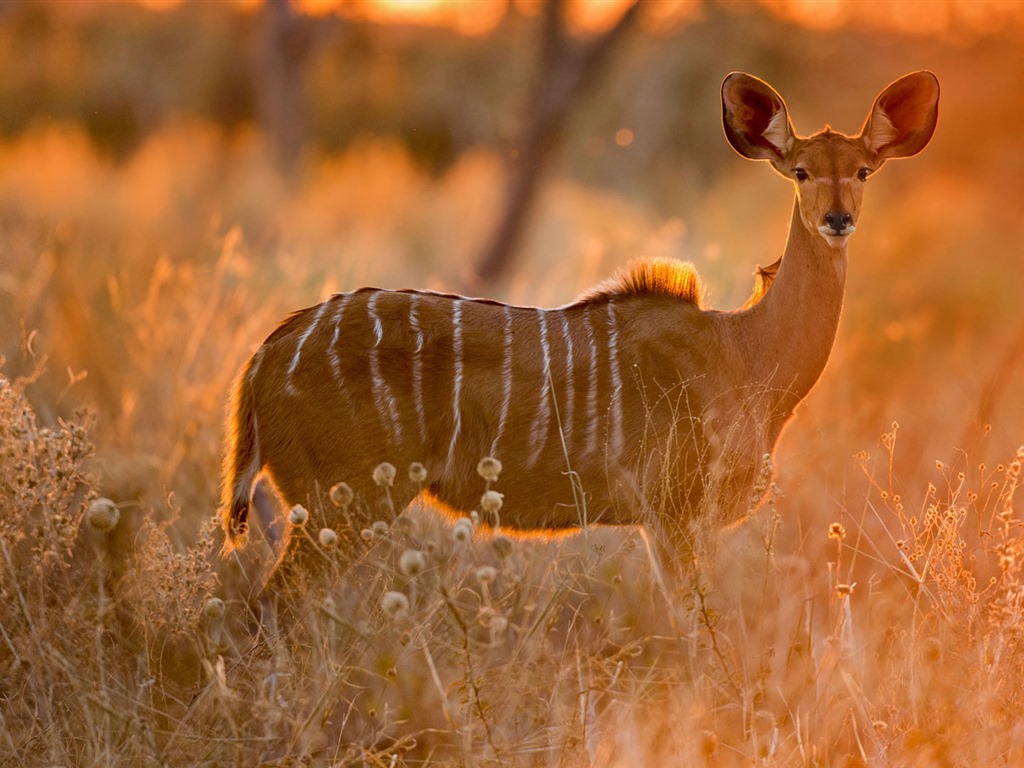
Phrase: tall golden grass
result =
(870, 614)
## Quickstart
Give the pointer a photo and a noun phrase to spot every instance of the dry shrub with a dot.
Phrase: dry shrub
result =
(92, 609)
(42, 479)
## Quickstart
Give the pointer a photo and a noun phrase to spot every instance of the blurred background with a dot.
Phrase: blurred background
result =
(175, 177)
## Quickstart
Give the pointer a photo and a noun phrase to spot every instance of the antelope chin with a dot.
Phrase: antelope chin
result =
(834, 240)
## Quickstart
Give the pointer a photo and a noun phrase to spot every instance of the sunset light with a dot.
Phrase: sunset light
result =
(479, 17)
(511, 383)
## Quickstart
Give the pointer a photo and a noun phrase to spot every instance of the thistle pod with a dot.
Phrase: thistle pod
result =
(463, 530)
(489, 468)
(417, 473)
(103, 515)
(404, 524)
(394, 604)
(491, 502)
(341, 495)
(214, 609)
(328, 538)
(384, 474)
(298, 516)
(503, 546)
(412, 562)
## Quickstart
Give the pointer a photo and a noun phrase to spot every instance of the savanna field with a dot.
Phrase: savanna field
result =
(153, 232)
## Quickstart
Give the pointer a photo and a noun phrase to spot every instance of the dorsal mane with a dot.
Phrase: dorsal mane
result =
(647, 277)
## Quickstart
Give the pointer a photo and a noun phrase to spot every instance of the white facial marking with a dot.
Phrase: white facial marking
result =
(457, 381)
(387, 406)
(834, 240)
(302, 341)
(506, 381)
(539, 431)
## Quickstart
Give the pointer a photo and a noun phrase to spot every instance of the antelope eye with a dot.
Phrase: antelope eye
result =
(800, 174)
(863, 173)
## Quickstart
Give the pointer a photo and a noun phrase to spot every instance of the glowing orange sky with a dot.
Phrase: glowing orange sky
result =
(477, 17)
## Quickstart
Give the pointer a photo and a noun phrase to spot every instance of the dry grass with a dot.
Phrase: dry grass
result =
(869, 615)
(445, 645)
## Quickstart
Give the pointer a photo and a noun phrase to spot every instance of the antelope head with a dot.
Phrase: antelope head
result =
(829, 168)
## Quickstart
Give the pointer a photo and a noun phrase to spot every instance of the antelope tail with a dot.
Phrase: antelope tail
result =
(242, 462)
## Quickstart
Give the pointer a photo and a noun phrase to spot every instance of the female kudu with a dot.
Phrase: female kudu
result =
(632, 405)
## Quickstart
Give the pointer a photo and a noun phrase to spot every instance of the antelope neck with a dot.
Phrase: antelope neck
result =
(792, 329)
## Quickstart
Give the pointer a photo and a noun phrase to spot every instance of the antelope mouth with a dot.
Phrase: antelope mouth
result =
(836, 239)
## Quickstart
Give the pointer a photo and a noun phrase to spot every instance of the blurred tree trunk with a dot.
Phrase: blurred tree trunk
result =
(566, 70)
(286, 44)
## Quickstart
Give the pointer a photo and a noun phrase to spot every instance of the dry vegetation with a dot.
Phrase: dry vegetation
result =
(870, 614)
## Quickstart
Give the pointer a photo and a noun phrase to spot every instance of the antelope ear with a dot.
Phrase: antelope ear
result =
(755, 118)
(903, 118)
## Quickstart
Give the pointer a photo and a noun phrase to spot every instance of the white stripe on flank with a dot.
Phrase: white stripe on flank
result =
(615, 428)
(592, 391)
(570, 387)
(257, 359)
(381, 391)
(417, 366)
(539, 432)
(302, 341)
(506, 381)
(457, 381)
(332, 351)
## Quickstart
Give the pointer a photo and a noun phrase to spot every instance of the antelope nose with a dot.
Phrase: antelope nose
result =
(838, 220)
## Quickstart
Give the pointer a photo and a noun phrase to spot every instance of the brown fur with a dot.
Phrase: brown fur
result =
(632, 405)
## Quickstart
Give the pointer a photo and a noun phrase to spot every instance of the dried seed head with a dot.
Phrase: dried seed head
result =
(412, 562)
(474, 518)
(394, 604)
(404, 524)
(837, 531)
(503, 546)
(417, 472)
(384, 474)
(498, 624)
(298, 516)
(214, 609)
(328, 538)
(103, 515)
(491, 502)
(366, 534)
(463, 530)
(380, 528)
(489, 468)
(341, 495)
(486, 574)
(844, 589)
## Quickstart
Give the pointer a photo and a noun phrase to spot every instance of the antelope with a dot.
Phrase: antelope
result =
(634, 404)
